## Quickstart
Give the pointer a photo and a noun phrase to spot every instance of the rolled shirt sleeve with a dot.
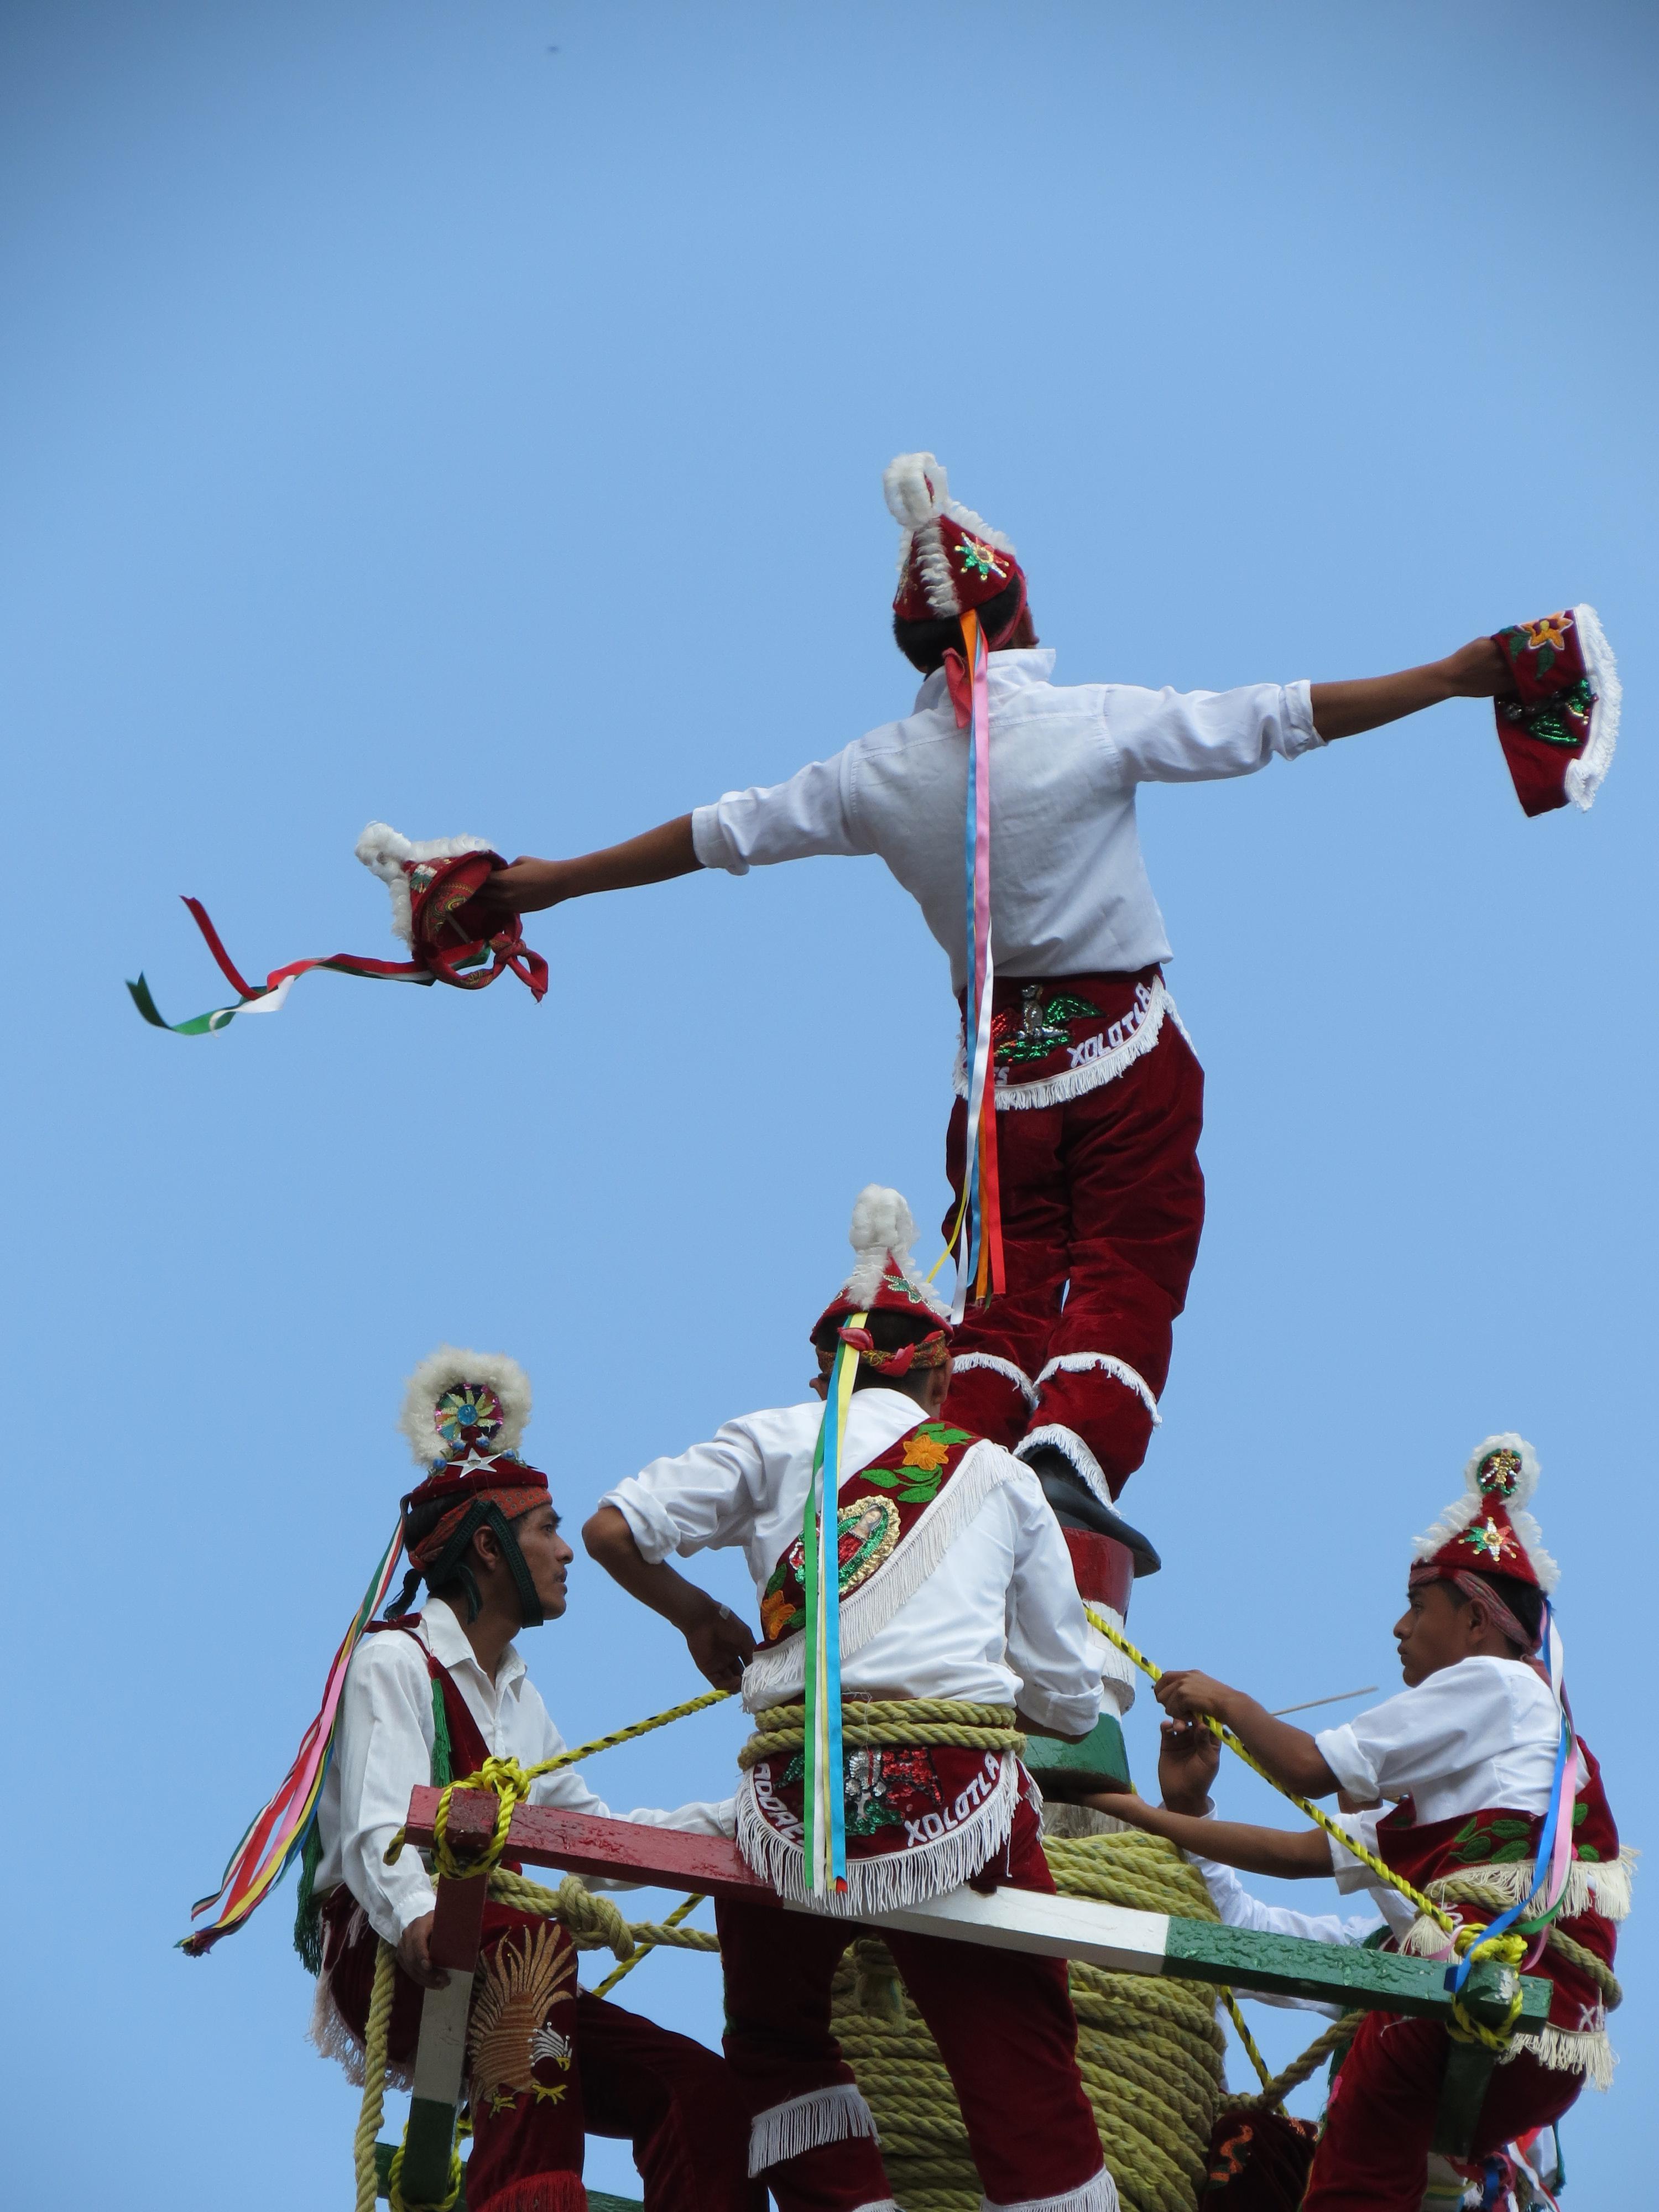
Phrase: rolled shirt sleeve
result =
(1048, 1639)
(1450, 1721)
(705, 1497)
(1196, 736)
(810, 814)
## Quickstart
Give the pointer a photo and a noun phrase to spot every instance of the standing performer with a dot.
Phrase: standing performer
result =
(1500, 1812)
(1005, 805)
(428, 1697)
(884, 1769)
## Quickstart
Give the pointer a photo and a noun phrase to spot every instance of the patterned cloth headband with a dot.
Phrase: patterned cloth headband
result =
(1482, 1593)
(933, 1351)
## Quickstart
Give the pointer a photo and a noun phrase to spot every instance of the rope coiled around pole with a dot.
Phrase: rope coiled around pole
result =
(890, 1723)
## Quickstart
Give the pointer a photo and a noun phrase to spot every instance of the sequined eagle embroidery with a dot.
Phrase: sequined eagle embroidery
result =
(510, 2032)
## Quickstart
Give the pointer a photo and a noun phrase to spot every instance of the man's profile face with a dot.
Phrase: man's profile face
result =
(546, 1554)
(1432, 1633)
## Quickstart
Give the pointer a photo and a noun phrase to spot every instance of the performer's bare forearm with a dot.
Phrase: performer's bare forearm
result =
(1479, 670)
(1289, 1754)
(721, 1645)
(1293, 1853)
(653, 857)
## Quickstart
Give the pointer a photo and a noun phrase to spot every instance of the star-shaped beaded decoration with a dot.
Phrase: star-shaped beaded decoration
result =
(980, 558)
(1487, 1537)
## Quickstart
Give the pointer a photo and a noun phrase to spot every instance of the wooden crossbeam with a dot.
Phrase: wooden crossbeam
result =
(1008, 1918)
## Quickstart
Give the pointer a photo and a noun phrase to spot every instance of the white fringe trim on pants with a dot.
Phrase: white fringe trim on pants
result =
(1099, 2194)
(965, 1362)
(1079, 1363)
(891, 1880)
(1143, 1025)
(1056, 1436)
(803, 2123)
(333, 2040)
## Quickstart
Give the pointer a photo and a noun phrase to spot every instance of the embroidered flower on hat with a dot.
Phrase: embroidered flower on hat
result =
(980, 558)
(1489, 1538)
(470, 1414)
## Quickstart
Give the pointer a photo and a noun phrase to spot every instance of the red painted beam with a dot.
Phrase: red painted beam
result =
(628, 1851)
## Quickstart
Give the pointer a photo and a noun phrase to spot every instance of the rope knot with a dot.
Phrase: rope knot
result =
(511, 1786)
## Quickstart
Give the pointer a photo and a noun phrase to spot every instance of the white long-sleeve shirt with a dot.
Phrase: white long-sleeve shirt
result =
(1479, 1734)
(999, 1621)
(384, 1735)
(1069, 889)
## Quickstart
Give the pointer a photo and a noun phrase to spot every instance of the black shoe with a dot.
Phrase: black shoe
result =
(1076, 1506)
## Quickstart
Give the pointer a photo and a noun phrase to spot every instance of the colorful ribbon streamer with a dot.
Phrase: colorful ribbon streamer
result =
(267, 998)
(1554, 1859)
(277, 1833)
(976, 1234)
(824, 1807)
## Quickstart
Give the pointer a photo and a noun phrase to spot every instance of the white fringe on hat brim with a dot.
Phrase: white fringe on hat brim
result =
(803, 2123)
(771, 1677)
(1584, 775)
(1089, 1074)
(892, 1880)
(383, 850)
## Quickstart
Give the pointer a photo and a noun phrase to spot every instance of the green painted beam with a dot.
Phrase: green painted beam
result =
(1099, 1762)
(1335, 1973)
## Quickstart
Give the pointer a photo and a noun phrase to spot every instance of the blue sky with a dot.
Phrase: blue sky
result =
(403, 419)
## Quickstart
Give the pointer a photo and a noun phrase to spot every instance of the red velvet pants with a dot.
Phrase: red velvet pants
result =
(1102, 1193)
(673, 2099)
(1002, 2020)
(1375, 2144)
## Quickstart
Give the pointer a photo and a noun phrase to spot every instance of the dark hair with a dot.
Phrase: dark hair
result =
(1524, 1600)
(890, 1332)
(923, 643)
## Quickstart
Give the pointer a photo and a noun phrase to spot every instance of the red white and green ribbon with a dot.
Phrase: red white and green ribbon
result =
(268, 998)
(976, 1235)
(823, 1807)
(277, 1832)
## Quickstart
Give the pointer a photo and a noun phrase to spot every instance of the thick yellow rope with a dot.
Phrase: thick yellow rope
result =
(669, 1932)
(899, 1722)
(1241, 2029)
(374, 2104)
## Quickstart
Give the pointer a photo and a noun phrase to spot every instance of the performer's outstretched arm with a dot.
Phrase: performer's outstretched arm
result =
(1479, 670)
(1290, 1755)
(651, 858)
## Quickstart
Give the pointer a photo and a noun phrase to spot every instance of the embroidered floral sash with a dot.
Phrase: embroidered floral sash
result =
(879, 1509)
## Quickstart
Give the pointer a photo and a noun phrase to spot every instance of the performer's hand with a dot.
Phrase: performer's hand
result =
(1184, 1694)
(414, 1956)
(1188, 1755)
(722, 1647)
(1480, 670)
(525, 887)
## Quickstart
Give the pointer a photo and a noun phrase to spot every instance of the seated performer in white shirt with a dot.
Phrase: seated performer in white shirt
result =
(1101, 1198)
(428, 1697)
(1472, 1752)
(954, 1584)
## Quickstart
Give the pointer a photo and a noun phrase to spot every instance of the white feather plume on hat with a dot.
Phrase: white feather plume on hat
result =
(445, 1369)
(918, 494)
(383, 850)
(1458, 1516)
(883, 1224)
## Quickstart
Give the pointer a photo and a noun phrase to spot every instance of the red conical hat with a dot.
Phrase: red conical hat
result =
(1489, 1531)
(951, 560)
(1559, 731)
(884, 1278)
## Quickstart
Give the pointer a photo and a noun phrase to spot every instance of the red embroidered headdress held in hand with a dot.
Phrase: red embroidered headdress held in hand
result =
(1558, 732)
(883, 1280)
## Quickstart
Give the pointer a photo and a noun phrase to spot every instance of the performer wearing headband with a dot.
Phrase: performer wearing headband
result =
(1005, 805)
(427, 1697)
(1494, 1790)
(953, 1584)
